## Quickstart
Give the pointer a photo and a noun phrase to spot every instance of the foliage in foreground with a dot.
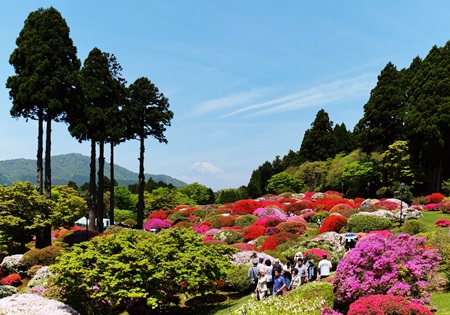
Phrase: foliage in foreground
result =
(108, 273)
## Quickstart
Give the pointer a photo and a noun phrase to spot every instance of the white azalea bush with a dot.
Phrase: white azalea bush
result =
(282, 306)
(33, 304)
(11, 264)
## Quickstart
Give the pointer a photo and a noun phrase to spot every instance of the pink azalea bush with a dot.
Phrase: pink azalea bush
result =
(387, 305)
(384, 263)
(442, 222)
(155, 223)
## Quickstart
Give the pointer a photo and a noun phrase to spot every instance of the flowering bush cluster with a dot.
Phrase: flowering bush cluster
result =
(273, 241)
(387, 305)
(386, 204)
(345, 209)
(282, 306)
(443, 222)
(11, 264)
(13, 279)
(292, 227)
(19, 304)
(328, 203)
(333, 223)
(245, 206)
(252, 232)
(316, 254)
(435, 198)
(384, 263)
(269, 221)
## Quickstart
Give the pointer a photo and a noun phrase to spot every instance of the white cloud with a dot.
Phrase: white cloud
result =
(229, 101)
(336, 91)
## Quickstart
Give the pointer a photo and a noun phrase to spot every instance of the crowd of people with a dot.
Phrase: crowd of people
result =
(274, 278)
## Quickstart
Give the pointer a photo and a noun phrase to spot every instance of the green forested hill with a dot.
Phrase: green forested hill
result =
(70, 167)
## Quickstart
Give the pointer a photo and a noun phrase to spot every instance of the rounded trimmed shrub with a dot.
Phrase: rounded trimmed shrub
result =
(253, 232)
(44, 257)
(292, 227)
(245, 220)
(386, 304)
(333, 223)
(414, 227)
(315, 289)
(223, 221)
(245, 206)
(228, 236)
(238, 279)
(367, 223)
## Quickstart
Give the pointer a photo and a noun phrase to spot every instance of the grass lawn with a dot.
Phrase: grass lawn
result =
(442, 301)
(430, 217)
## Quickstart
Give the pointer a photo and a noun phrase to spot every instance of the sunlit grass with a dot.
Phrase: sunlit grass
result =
(442, 301)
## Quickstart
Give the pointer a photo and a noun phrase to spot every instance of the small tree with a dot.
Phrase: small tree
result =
(137, 265)
(284, 182)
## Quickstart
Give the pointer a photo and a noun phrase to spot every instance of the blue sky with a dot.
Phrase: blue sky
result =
(245, 79)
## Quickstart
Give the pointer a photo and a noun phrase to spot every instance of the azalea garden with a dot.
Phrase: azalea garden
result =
(197, 261)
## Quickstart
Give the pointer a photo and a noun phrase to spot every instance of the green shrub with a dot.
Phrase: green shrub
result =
(129, 222)
(229, 236)
(259, 241)
(366, 223)
(276, 254)
(176, 215)
(44, 257)
(441, 240)
(199, 213)
(238, 279)
(7, 290)
(113, 229)
(414, 227)
(122, 215)
(316, 289)
(245, 220)
(319, 215)
(419, 201)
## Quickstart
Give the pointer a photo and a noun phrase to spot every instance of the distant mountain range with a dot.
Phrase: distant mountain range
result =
(71, 167)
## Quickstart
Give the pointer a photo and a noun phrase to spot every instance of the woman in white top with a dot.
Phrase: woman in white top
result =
(261, 287)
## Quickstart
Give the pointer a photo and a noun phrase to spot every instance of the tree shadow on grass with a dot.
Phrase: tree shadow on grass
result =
(210, 304)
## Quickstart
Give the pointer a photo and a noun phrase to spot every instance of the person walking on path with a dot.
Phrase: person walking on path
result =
(253, 275)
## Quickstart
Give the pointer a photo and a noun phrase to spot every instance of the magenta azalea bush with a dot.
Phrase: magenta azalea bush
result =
(388, 264)
(443, 222)
(387, 305)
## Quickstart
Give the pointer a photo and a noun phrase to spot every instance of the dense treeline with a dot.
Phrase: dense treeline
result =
(402, 138)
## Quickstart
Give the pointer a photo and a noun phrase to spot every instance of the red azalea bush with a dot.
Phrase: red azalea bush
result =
(333, 223)
(273, 241)
(435, 198)
(443, 222)
(13, 279)
(268, 221)
(253, 231)
(245, 247)
(222, 221)
(316, 254)
(387, 305)
(245, 206)
(358, 201)
(188, 212)
(269, 203)
(298, 206)
(292, 227)
(345, 209)
(329, 202)
(226, 208)
(160, 214)
(386, 205)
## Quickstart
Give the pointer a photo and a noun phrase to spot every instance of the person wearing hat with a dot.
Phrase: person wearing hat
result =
(324, 267)
(261, 287)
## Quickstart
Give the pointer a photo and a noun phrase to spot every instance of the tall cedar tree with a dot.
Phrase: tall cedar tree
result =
(95, 119)
(384, 113)
(428, 123)
(319, 142)
(148, 115)
(45, 84)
